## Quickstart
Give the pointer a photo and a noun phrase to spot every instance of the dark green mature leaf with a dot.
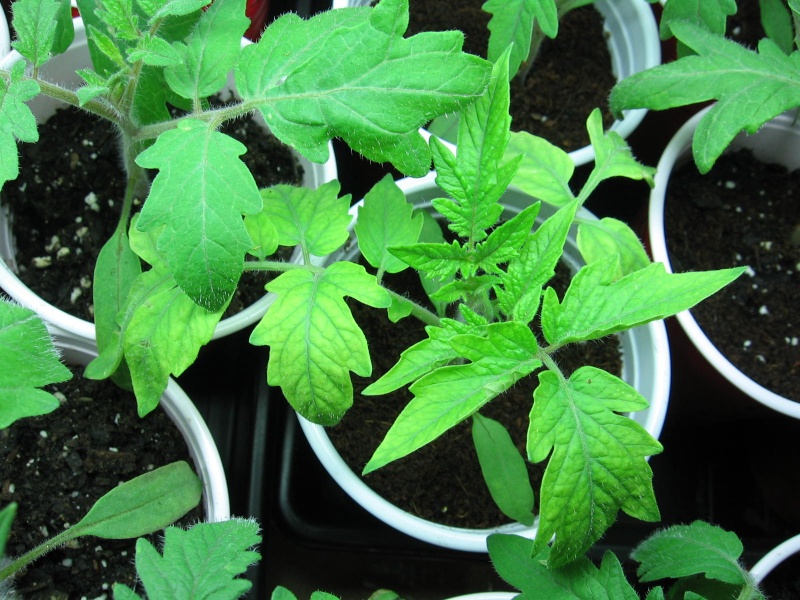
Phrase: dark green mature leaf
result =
(314, 340)
(750, 88)
(16, 120)
(201, 563)
(683, 550)
(28, 361)
(518, 564)
(503, 469)
(777, 22)
(211, 51)
(142, 505)
(351, 74)
(386, 219)
(596, 305)
(197, 201)
(512, 23)
(448, 395)
(597, 459)
(712, 14)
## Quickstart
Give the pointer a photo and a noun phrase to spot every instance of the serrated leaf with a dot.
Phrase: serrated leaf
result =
(163, 331)
(314, 340)
(613, 157)
(16, 120)
(29, 361)
(683, 550)
(432, 233)
(475, 178)
(35, 23)
(176, 8)
(199, 195)
(545, 170)
(777, 23)
(421, 358)
(123, 592)
(316, 219)
(210, 52)
(438, 261)
(503, 469)
(450, 394)
(712, 14)
(201, 563)
(511, 25)
(750, 88)
(155, 52)
(96, 85)
(142, 505)
(118, 15)
(518, 564)
(386, 219)
(600, 239)
(521, 291)
(336, 73)
(595, 305)
(282, 593)
(597, 459)
(107, 47)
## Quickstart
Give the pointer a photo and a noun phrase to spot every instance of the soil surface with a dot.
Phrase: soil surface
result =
(743, 213)
(442, 481)
(65, 204)
(56, 466)
(571, 76)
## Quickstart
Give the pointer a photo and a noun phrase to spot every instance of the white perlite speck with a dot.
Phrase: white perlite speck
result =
(91, 201)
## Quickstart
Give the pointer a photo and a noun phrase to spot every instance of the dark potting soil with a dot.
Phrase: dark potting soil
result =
(442, 481)
(56, 466)
(65, 204)
(743, 213)
(571, 76)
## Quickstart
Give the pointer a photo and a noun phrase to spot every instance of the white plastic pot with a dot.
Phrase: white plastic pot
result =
(179, 408)
(778, 141)
(772, 559)
(5, 35)
(62, 70)
(646, 366)
(633, 42)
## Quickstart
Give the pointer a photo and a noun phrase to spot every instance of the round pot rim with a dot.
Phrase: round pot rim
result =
(678, 148)
(458, 538)
(5, 35)
(61, 322)
(775, 557)
(184, 414)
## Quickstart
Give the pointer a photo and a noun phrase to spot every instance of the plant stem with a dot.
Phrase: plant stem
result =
(101, 109)
(279, 266)
(417, 310)
(32, 555)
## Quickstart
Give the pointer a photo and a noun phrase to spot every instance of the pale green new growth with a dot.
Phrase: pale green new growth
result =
(750, 87)
(29, 361)
(201, 563)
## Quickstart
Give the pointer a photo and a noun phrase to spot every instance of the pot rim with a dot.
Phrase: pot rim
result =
(184, 414)
(653, 337)
(61, 322)
(678, 149)
(5, 35)
(775, 557)
(638, 49)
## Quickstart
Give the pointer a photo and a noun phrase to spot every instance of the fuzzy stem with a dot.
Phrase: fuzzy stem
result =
(417, 310)
(32, 555)
(96, 107)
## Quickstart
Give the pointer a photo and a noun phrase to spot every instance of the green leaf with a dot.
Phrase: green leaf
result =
(600, 239)
(613, 157)
(16, 120)
(281, 593)
(777, 22)
(211, 51)
(107, 48)
(503, 469)
(116, 269)
(35, 23)
(597, 459)
(750, 88)
(518, 564)
(475, 178)
(450, 394)
(201, 563)
(155, 51)
(315, 219)
(142, 505)
(534, 266)
(712, 14)
(199, 194)
(123, 592)
(314, 340)
(6, 519)
(386, 219)
(683, 550)
(440, 261)
(420, 359)
(118, 15)
(595, 305)
(96, 85)
(545, 170)
(29, 361)
(336, 73)
(176, 8)
(511, 24)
